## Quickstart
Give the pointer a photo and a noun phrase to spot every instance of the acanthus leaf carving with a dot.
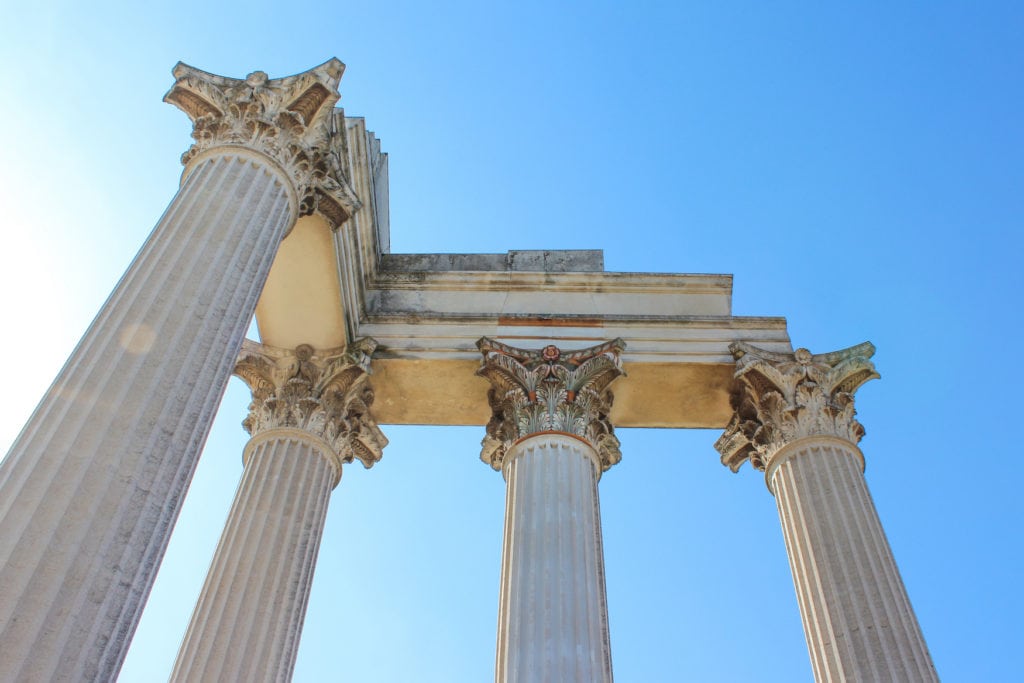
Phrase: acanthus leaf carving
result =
(291, 120)
(325, 393)
(550, 390)
(778, 398)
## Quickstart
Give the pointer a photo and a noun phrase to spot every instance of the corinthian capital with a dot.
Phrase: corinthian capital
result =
(550, 390)
(291, 120)
(325, 393)
(781, 397)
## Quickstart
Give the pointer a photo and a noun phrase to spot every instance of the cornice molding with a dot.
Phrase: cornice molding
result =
(515, 280)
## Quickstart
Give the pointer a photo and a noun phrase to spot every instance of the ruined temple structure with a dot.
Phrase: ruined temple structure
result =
(282, 214)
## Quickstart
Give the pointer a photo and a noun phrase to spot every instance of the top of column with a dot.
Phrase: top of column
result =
(291, 120)
(781, 397)
(325, 393)
(550, 390)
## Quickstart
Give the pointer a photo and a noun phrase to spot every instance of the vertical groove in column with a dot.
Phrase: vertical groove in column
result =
(45, 417)
(818, 628)
(599, 595)
(285, 571)
(233, 528)
(279, 542)
(827, 529)
(544, 462)
(914, 658)
(856, 614)
(505, 585)
(216, 292)
(862, 600)
(532, 519)
(221, 621)
(912, 654)
(92, 486)
(263, 514)
(312, 538)
(17, 466)
(561, 592)
(249, 615)
(299, 577)
(580, 618)
(552, 615)
(89, 364)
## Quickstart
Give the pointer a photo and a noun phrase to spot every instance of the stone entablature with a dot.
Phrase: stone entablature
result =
(324, 393)
(550, 391)
(329, 285)
(779, 398)
(292, 120)
(427, 312)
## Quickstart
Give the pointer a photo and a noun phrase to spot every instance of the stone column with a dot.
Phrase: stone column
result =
(91, 488)
(794, 420)
(309, 415)
(550, 437)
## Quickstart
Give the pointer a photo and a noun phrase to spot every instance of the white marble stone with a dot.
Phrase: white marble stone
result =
(553, 611)
(857, 618)
(248, 620)
(90, 490)
(550, 437)
(309, 416)
(795, 420)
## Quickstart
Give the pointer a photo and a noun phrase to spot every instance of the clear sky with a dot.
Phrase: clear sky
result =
(859, 169)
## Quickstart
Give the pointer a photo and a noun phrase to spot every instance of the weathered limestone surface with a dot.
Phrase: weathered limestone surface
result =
(310, 414)
(550, 436)
(91, 488)
(427, 311)
(795, 420)
(552, 261)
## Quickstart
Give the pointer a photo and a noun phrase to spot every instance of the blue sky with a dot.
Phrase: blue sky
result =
(858, 169)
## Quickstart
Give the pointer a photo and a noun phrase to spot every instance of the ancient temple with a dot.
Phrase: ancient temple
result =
(282, 214)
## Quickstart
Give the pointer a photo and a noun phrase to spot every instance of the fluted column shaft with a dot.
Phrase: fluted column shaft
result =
(857, 617)
(91, 488)
(795, 420)
(553, 610)
(310, 413)
(550, 436)
(247, 622)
